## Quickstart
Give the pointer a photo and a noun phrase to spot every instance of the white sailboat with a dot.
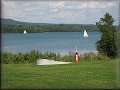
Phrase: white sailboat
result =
(25, 32)
(85, 34)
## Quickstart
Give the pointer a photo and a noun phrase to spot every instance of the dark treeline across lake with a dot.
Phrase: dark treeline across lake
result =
(12, 26)
(6, 28)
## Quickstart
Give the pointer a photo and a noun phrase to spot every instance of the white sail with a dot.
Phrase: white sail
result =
(85, 34)
(25, 32)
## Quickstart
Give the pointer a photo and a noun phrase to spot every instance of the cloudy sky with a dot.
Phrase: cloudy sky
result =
(59, 11)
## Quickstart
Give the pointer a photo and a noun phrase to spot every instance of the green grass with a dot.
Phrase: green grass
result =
(96, 74)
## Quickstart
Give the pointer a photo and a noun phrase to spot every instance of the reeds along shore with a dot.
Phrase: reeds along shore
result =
(32, 56)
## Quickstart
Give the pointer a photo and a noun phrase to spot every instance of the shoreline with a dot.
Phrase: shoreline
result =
(43, 32)
(33, 56)
(62, 54)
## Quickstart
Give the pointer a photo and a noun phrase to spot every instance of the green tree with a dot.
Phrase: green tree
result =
(107, 45)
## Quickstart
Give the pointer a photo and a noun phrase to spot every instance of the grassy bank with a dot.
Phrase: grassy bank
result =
(95, 74)
(32, 56)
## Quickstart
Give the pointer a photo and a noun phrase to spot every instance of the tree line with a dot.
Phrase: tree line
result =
(35, 28)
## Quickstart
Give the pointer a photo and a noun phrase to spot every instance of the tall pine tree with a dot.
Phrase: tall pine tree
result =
(107, 44)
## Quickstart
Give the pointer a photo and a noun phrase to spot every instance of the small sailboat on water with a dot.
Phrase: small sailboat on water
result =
(85, 35)
(25, 32)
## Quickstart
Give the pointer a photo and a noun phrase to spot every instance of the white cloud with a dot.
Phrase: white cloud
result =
(61, 11)
(27, 4)
(102, 5)
(57, 4)
(54, 10)
(92, 5)
(8, 3)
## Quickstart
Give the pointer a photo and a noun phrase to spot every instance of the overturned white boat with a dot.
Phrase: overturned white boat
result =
(50, 62)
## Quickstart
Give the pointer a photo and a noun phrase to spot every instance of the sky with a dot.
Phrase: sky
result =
(59, 11)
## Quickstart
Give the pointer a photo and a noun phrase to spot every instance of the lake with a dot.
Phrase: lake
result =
(57, 42)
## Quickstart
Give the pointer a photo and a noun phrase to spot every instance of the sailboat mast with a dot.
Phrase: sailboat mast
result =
(76, 48)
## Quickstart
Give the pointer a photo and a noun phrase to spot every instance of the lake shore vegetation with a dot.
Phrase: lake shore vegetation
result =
(33, 56)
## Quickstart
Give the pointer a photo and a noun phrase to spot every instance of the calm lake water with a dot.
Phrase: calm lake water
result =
(58, 42)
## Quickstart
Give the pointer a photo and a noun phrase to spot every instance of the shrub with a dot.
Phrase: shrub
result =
(33, 55)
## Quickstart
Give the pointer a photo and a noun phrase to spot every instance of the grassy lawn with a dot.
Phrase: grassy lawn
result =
(95, 74)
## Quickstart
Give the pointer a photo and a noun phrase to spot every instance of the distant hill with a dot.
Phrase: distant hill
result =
(13, 26)
(10, 21)
(14, 22)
